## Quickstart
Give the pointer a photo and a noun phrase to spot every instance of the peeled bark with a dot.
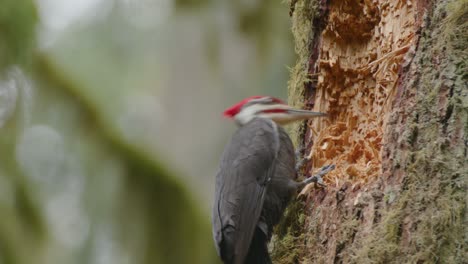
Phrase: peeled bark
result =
(392, 76)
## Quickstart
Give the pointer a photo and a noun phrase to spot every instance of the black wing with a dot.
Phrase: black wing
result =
(241, 185)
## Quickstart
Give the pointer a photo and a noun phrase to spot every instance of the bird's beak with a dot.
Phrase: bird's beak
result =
(291, 115)
(304, 114)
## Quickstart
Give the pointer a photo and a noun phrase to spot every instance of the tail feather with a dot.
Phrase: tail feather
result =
(258, 251)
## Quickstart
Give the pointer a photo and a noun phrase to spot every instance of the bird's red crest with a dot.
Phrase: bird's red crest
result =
(235, 109)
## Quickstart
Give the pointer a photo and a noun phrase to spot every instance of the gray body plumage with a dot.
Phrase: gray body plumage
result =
(255, 181)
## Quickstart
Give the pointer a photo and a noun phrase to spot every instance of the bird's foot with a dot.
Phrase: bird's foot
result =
(317, 178)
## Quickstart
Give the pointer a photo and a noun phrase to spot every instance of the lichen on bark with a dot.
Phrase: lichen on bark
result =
(426, 223)
(284, 244)
(413, 208)
(303, 13)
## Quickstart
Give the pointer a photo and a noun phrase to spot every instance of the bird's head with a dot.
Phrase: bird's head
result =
(267, 107)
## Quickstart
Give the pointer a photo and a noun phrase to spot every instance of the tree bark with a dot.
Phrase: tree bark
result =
(393, 77)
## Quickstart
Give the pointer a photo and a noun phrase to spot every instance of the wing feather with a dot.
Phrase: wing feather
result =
(241, 185)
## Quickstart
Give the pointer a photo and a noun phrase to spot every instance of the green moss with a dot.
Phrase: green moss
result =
(302, 28)
(348, 230)
(383, 247)
(426, 223)
(289, 234)
(455, 25)
(312, 238)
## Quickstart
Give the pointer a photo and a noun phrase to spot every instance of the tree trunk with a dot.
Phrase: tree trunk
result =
(393, 77)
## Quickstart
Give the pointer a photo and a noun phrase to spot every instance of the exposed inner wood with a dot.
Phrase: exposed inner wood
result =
(361, 52)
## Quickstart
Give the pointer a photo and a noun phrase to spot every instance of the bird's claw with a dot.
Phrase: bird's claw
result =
(327, 169)
(317, 179)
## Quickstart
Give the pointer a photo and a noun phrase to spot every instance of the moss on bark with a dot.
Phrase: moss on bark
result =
(303, 14)
(415, 210)
(426, 223)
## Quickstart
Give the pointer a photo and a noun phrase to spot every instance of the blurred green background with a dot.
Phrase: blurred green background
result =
(110, 121)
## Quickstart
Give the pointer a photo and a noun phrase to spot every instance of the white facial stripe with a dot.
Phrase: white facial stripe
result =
(249, 112)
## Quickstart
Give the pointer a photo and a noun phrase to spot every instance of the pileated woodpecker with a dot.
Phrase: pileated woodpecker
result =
(256, 179)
